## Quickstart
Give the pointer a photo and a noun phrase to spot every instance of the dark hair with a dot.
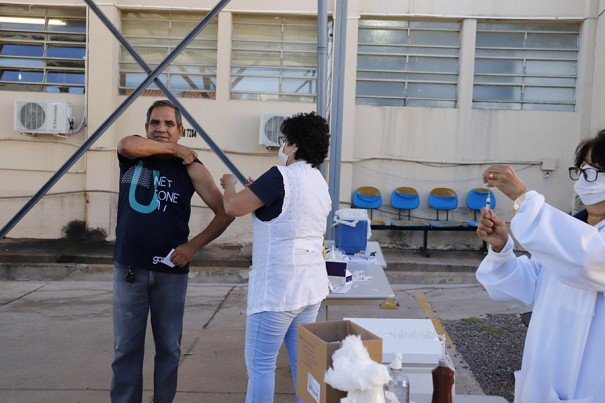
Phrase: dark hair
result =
(311, 134)
(596, 147)
(165, 102)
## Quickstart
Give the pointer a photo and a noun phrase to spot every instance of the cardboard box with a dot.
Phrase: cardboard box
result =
(316, 344)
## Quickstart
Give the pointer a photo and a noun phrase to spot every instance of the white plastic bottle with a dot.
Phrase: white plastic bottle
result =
(399, 385)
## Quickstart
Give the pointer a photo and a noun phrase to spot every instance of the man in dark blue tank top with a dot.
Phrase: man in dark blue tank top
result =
(158, 178)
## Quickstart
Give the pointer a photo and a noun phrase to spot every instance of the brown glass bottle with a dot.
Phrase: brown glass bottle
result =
(443, 381)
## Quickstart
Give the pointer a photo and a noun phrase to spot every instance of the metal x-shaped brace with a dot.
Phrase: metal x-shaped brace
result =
(152, 76)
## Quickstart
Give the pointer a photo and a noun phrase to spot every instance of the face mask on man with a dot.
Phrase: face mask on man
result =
(590, 192)
(283, 157)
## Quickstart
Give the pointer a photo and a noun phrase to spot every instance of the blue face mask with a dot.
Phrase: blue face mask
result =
(590, 192)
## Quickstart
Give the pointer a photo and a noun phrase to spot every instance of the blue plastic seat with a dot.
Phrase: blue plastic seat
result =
(476, 199)
(370, 198)
(406, 199)
(444, 199)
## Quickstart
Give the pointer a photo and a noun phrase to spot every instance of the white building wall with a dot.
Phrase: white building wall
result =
(383, 146)
(101, 96)
(597, 83)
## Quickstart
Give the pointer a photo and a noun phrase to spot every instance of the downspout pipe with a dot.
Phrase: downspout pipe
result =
(340, 45)
(322, 64)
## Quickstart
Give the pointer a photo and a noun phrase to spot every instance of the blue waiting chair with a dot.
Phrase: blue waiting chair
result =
(406, 199)
(476, 199)
(444, 199)
(370, 198)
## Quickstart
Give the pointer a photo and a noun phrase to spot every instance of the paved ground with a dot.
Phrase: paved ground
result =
(55, 316)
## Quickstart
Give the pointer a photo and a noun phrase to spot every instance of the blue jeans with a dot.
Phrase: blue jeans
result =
(265, 333)
(162, 294)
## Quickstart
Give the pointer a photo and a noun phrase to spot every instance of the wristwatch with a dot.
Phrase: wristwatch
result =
(519, 200)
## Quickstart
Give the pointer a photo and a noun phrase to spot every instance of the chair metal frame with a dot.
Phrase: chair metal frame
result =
(444, 199)
(370, 198)
(405, 198)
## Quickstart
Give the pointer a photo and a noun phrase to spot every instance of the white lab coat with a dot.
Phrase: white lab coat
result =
(564, 280)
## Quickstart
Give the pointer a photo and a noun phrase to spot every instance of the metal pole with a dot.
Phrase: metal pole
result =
(322, 58)
(322, 63)
(167, 92)
(109, 121)
(340, 44)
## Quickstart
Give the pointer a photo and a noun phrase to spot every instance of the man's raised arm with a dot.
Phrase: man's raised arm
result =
(134, 146)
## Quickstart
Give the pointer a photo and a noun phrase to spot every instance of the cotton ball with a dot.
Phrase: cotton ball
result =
(354, 370)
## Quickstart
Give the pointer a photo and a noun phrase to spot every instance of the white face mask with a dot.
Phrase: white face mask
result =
(283, 157)
(590, 192)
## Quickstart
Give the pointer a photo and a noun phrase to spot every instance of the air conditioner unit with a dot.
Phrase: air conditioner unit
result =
(36, 116)
(269, 128)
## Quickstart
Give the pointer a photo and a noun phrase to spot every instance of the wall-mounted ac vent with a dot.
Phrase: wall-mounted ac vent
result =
(50, 117)
(269, 128)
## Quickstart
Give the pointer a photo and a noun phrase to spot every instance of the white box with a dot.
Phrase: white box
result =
(415, 339)
(339, 276)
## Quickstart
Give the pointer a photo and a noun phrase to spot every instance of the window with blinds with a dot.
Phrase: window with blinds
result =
(274, 58)
(408, 63)
(42, 49)
(527, 66)
(154, 34)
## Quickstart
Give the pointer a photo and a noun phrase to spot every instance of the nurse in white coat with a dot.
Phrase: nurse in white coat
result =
(564, 280)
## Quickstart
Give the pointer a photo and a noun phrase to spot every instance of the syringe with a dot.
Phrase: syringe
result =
(488, 199)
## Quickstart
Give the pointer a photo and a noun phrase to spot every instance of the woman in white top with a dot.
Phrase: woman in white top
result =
(564, 280)
(288, 281)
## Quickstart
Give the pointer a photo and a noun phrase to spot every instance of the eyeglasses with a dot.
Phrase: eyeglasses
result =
(590, 174)
(281, 140)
